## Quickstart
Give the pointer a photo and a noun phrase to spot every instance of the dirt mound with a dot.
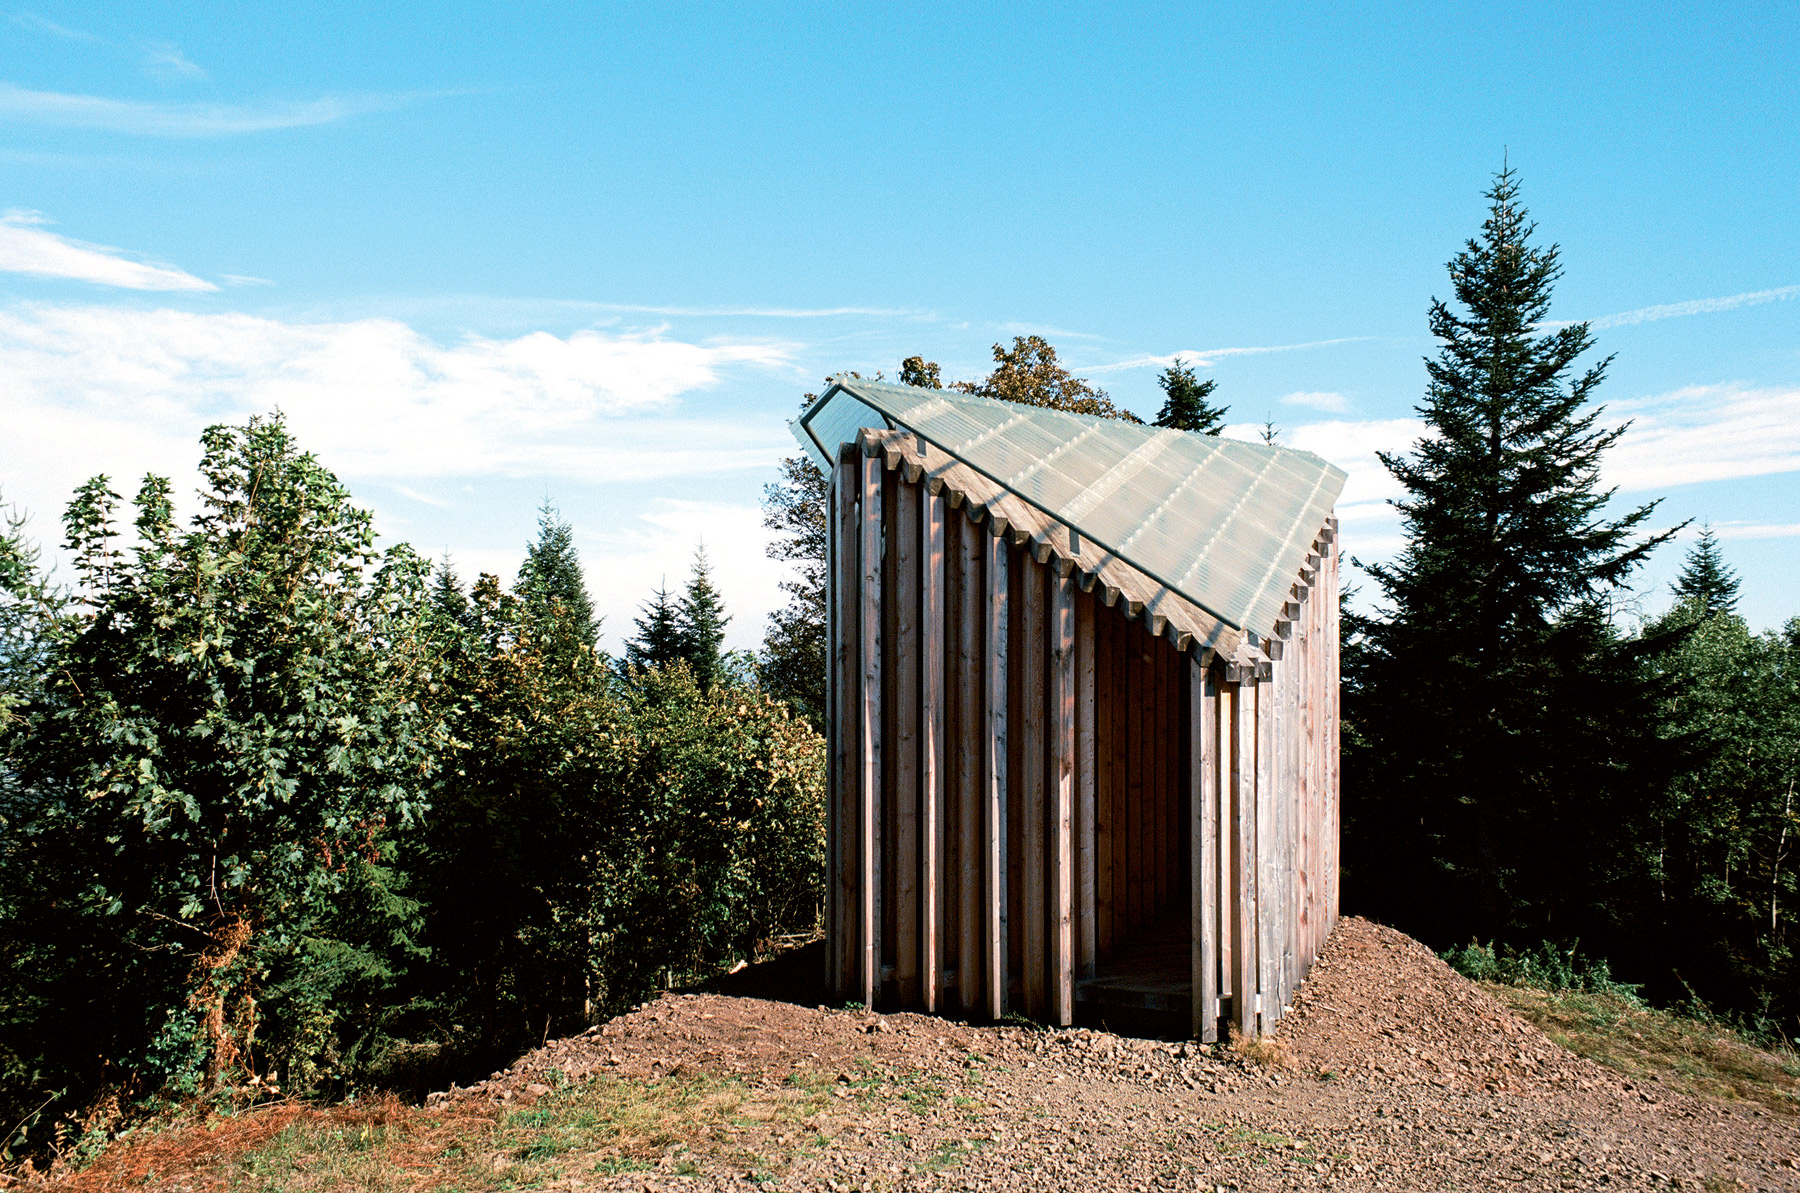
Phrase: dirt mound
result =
(1381, 1008)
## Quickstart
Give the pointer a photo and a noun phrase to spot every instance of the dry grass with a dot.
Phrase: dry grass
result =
(1675, 1051)
(601, 1126)
(1268, 1051)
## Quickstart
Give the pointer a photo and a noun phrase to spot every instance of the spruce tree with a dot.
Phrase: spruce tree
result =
(1485, 705)
(1185, 407)
(701, 618)
(1706, 578)
(659, 640)
(551, 575)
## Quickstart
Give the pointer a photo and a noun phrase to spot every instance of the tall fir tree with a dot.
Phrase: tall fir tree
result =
(552, 573)
(702, 618)
(1185, 407)
(1706, 578)
(1485, 778)
(658, 641)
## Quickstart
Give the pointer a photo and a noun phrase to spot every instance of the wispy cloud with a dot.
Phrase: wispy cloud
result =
(31, 20)
(27, 247)
(244, 279)
(1673, 310)
(21, 106)
(1205, 358)
(1330, 403)
(760, 312)
(1705, 433)
(164, 60)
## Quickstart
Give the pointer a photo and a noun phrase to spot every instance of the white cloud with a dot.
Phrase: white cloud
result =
(19, 105)
(760, 312)
(374, 397)
(27, 247)
(1671, 310)
(1330, 403)
(164, 60)
(1705, 433)
(31, 20)
(1205, 358)
(244, 279)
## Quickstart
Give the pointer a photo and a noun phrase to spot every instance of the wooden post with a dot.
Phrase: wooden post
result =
(1243, 767)
(869, 729)
(1268, 863)
(1275, 771)
(1034, 787)
(970, 727)
(931, 741)
(994, 777)
(903, 760)
(1138, 679)
(1060, 797)
(1203, 801)
(1332, 660)
(1104, 701)
(1087, 929)
(1157, 780)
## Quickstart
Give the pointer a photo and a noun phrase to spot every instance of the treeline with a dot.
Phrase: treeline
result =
(279, 812)
(1524, 764)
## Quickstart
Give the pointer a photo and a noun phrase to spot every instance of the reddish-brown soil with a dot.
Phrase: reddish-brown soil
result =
(1392, 1072)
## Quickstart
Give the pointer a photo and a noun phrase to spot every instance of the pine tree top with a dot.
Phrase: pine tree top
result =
(1185, 407)
(658, 641)
(701, 619)
(1705, 577)
(552, 573)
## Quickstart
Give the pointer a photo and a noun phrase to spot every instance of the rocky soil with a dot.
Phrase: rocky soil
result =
(1392, 1072)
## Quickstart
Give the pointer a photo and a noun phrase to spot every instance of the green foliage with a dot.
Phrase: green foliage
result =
(659, 641)
(700, 621)
(916, 370)
(1185, 407)
(551, 576)
(1706, 578)
(1028, 372)
(1505, 737)
(206, 787)
(1545, 967)
(792, 666)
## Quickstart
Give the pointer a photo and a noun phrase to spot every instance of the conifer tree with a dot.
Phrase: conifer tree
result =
(659, 639)
(1185, 407)
(552, 573)
(1706, 578)
(1487, 701)
(701, 618)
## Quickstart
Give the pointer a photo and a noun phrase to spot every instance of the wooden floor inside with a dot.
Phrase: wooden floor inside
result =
(1145, 987)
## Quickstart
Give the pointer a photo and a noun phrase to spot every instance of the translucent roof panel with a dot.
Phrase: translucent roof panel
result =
(1226, 524)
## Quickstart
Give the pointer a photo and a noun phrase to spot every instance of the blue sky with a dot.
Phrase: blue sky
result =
(597, 254)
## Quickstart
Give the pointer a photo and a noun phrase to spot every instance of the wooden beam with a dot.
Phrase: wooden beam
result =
(869, 728)
(968, 542)
(1268, 863)
(1060, 793)
(1034, 787)
(1244, 985)
(1103, 784)
(1203, 802)
(1158, 778)
(994, 777)
(931, 743)
(904, 718)
(1122, 728)
(1087, 930)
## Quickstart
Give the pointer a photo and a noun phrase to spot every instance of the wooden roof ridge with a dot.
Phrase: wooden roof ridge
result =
(1117, 583)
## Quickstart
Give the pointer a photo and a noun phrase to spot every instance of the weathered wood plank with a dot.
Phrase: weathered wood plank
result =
(1158, 780)
(1086, 844)
(1245, 987)
(1103, 785)
(1203, 796)
(1034, 786)
(969, 540)
(931, 744)
(994, 776)
(1332, 712)
(869, 728)
(903, 760)
(1268, 863)
(1060, 795)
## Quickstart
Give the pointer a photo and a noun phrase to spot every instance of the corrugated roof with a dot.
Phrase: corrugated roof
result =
(1226, 524)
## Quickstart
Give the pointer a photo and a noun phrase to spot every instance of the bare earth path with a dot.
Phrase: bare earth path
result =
(1395, 1073)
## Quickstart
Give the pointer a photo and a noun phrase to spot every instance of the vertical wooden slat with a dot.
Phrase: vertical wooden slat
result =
(1158, 780)
(1119, 707)
(1138, 680)
(1243, 766)
(1332, 653)
(1203, 802)
(1267, 863)
(1303, 730)
(970, 602)
(994, 776)
(903, 759)
(1086, 844)
(1228, 845)
(1103, 782)
(1276, 773)
(869, 727)
(1034, 787)
(931, 743)
(1060, 797)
